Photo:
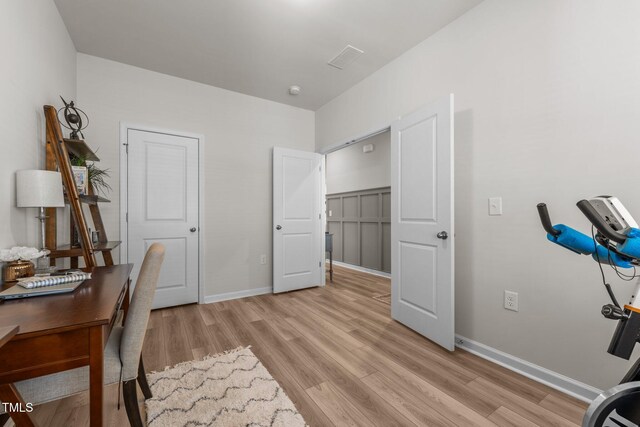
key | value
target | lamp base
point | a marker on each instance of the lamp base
(43, 265)
(42, 217)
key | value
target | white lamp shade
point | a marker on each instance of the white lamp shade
(39, 188)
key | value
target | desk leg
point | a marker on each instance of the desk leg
(96, 375)
(9, 393)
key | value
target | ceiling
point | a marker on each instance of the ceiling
(257, 47)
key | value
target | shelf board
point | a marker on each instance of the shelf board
(66, 251)
(89, 199)
(81, 149)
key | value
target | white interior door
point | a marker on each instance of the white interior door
(422, 234)
(162, 203)
(298, 242)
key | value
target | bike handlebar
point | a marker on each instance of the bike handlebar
(546, 221)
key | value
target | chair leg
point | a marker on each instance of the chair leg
(131, 403)
(4, 418)
(142, 380)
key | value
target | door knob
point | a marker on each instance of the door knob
(278, 227)
(442, 235)
(193, 229)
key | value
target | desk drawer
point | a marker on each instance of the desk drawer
(44, 354)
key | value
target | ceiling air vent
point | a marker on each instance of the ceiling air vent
(345, 57)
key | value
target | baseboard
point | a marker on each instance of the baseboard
(361, 269)
(208, 299)
(537, 373)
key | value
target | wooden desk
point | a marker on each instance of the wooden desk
(61, 332)
(6, 333)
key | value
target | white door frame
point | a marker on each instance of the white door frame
(124, 189)
(354, 140)
(323, 201)
(330, 149)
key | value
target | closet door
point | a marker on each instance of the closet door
(298, 238)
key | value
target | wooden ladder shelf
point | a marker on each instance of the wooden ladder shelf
(57, 159)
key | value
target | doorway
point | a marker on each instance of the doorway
(160, 201)
(358, 204)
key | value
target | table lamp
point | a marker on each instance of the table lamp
(39, 189)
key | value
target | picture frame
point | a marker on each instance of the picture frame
(81, 176)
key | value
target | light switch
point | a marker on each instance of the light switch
(495, 206)
(330, 212)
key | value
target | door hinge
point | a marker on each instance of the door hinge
(319, 216)
(126, 217)
(320, 264)
(126, 147)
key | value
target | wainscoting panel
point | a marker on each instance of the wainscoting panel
(386, 247)
(335, 228)
(360, 222)
(335, 207)
(369, 206)
(370, 245)
(350, 246)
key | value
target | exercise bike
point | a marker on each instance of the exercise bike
(614, 241)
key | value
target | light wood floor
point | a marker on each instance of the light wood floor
(342, 361)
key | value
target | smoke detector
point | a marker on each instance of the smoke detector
(345, 57)
(294, 90)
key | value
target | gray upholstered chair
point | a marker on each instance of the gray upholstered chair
(125, 343)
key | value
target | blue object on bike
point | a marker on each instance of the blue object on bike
(605, 256)
(572, 240)
(631, 246)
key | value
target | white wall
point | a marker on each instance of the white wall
(349, 169)
(239, 132)
(38, 65)
(547, 109)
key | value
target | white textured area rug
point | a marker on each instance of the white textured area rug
(230, 389)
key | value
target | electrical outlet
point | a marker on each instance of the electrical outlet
(263, 259)
(511, 300)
